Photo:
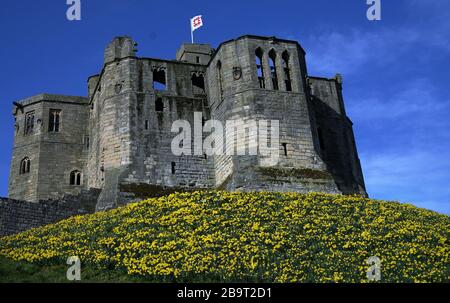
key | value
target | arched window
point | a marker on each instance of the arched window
(159, 79)
(25, 165)
(54, 120)
(159, 105)
(29, 123)
(287, 71)
(273, 69)
(259, 67)
(219, 79)
(75, 177)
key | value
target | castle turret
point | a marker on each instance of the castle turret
(111, 117)
(263, 78)
(119, 48)
(195, 53)
(50, 147)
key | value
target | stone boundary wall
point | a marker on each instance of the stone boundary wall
(17, 216)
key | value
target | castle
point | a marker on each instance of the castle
(118, 138)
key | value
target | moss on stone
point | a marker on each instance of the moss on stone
(143, 190)
(301, 173)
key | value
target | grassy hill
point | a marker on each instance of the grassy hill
(254, 237)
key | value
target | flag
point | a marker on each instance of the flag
(196, 22)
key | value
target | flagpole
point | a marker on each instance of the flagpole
(192, 31)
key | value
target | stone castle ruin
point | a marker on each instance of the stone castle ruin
(117, 140)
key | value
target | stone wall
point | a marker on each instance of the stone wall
(337, 140)
(17, 216)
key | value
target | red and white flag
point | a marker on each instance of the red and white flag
(196, 22)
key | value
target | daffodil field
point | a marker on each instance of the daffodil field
(249, 237)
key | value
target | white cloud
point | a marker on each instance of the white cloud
(418, 100)
(406, 156)
(350, 52)
(419, 177)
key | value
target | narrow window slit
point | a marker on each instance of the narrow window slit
(284, 148)
(273, 69)
(259, 67)
(159, 105)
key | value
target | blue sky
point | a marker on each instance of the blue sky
(396, 71)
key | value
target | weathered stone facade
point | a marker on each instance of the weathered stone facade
(120, 135)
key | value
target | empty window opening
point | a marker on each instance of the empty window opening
(219, 79)
(287, 71)
(25, 165)
(75, 177)
(198, 84)
(159, 105)
(159, 79)
(173, 168)
(259, 67)
(87, 142)
(29, 123)
(284, 148)
(321, 138)
(197, 59)
(146, 124)
(54, 120)
(273, 69)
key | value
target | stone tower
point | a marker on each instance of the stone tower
(50, 145)
(119, 139)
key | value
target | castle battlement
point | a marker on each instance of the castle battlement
(118, 138)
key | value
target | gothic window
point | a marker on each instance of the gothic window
(159, 105)
(54, 120)
(259, 67)
(159, 79)
(173, 168)
(75, 178)
(25, 165)
(29, 123)
(219, 79)
(197, 59)
(146, 124)
(198, 84)
(287, 71)
(273, 69)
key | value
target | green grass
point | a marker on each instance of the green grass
(24, 272)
